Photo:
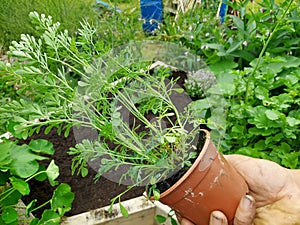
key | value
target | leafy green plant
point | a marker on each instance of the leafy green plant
(150, 148)
(98, 95)
(54, 64)
(241, 37)
(268, 125)
(262, 103)
(18, 165)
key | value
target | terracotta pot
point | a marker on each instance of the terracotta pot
(211, 183)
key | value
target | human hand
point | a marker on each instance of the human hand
(276, 191)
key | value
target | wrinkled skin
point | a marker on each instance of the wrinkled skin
(274, 196)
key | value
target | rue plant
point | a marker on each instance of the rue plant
(142, 133)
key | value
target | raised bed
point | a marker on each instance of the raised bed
(141, 211)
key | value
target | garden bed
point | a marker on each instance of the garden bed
(89, 194)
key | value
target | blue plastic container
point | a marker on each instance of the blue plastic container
(152, 14)
(222, 11)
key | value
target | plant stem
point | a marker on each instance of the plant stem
(40, 206)
(262, 52)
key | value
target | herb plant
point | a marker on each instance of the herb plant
(45, 72)
(65, 86)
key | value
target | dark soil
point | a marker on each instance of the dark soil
(88, 194)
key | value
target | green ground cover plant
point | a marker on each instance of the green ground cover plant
(18, 165)
(262, 98)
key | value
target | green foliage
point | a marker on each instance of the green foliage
(262, 109)
(171, 217)
(268, 119)
(54, 64)
(154, 151)
(255, 57)
(61, 80)
(240, 38)
(18, 165)
(15, 21)
(94, 95)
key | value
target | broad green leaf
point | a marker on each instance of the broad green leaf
(124, 211)
(215, 46)
(291, 80)
(41, 146)
(222, 66)
(257, 131)
(24, 162)
(52, 173)
(17, 129)
(62, 199)
(160, 218)
(292, 121)
(41, 176)
(244, 54)
(290, 160)
(238, 22)
(284, 147)
(30, 207)
(225, 84)
(5, 148)
(274, 139)
(9, 215)
(292, 61)
(261, 93)
(272, 114)
(20, 185)
(12, 199)
(35, 221)
(49, 217)
(234, 46)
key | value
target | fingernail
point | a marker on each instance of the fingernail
(247, 202)
(216, 220)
